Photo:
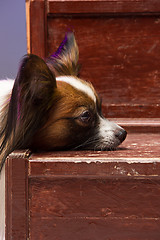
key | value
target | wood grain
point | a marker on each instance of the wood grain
(97, 195)
(86, 194)
(137, 149)
(95, 229)
(16, 181)
(104, 6)
(36, 27)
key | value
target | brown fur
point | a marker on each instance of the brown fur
(56, 133)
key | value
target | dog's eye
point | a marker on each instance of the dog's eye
(85, 117)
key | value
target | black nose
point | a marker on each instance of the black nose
(121, 135)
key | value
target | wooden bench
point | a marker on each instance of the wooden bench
(89, 195)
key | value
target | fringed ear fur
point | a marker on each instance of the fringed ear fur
(65, 60)
(31, 98)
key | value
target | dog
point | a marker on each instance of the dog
(48, 107)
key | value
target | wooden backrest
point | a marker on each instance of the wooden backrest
(119, 48)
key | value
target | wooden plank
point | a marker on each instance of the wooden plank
(95, 229)
(2, 204)
(17, 196)
(139, 125)
(104, 6)
(97, 195)
(139, 154)
(86, 194)
(139, 110)
(94, 196)
(28, 26)
(36, 27)
(82, 229)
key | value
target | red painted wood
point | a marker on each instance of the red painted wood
(95, 229)
(104, 6)
(139, 125)
(94, 197)
(119, 55)
(86, 194)
(16, 178)
(37, 27)
(136, 149)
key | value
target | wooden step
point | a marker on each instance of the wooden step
(139, 125)
(86, 194)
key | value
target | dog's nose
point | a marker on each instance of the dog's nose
(121, 135)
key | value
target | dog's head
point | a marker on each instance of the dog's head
(51, 108)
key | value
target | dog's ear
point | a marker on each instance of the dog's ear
(35, 82)
(65, 60)
(31, 98)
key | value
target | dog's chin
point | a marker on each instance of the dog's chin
(99, 145)
(104, 147)
(98, 148)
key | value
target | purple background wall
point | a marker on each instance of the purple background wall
(12, 36)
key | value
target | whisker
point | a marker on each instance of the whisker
(89, 141)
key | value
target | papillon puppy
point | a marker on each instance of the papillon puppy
(48, 107)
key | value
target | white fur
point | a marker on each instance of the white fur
(107, 130)
(7, 85)
(5, 88)
(106, 126)
(81, 86)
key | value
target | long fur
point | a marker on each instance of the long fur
(65, 60)
(30, 101)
